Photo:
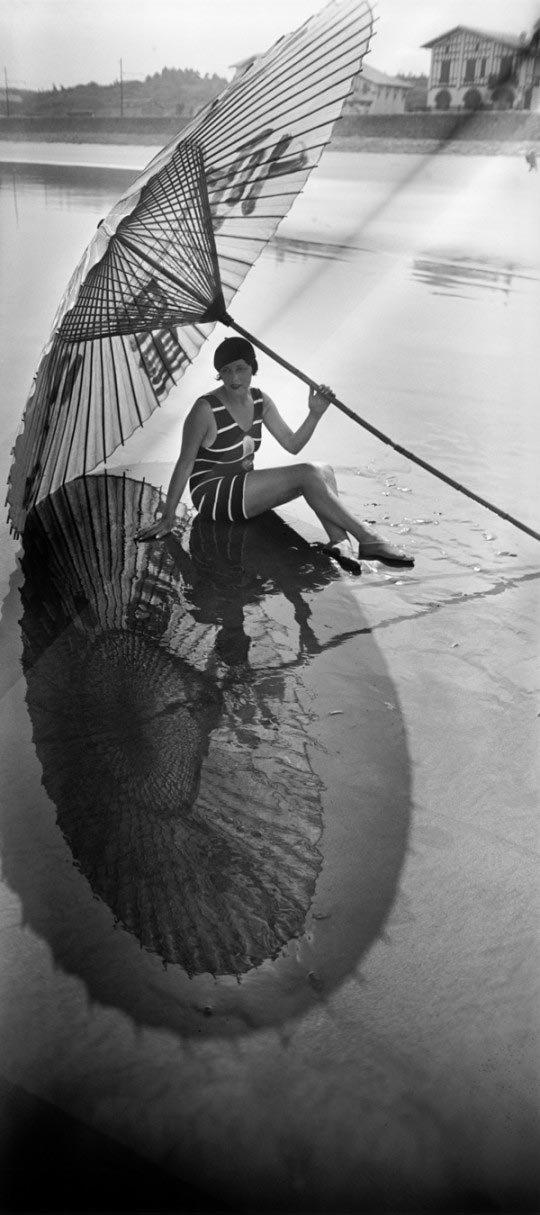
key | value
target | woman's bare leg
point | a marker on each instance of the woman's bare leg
(269, 487)
(266, 488)
(336, 535)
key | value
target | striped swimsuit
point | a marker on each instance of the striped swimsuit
(218, 478)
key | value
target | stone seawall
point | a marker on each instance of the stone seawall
(458, 131)
(514, 125)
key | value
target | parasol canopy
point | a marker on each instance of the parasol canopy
(164, 265)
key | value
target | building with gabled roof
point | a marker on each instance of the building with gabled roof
(375, 92)
(473, 68)
(515, 40)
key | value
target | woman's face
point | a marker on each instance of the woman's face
(236, 375)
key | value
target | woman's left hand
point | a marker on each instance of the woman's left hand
(319, 400)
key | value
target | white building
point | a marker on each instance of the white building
(376, 93)
(472, 68)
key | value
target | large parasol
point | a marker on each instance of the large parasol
(165, 264)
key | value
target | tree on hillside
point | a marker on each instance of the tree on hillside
(171, 92)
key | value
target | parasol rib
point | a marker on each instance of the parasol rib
(151, 261)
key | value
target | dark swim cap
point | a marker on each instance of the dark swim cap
(232, 349)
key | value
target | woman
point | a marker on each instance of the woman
(222, 433)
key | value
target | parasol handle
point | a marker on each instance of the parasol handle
(403, 451)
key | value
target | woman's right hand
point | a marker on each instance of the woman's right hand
(319, 400)
(158, 530)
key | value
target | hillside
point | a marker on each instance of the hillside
(167, 93)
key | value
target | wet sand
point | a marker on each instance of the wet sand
(411, 1082)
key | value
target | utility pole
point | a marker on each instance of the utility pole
(7, 93)
(121, 92)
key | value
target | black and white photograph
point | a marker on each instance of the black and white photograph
(270, 574)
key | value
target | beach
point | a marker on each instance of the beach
(389, 1054)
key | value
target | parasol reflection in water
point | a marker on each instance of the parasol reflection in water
(173, 695)
(205, 853)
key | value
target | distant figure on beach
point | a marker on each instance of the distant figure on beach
(222, 433)
(530, 157)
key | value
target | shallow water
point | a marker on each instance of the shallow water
(411, 286)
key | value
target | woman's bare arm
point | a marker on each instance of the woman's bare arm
(294, 440)
(197, 429)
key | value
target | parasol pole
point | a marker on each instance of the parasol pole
(403, 451)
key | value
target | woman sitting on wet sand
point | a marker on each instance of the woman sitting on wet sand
(222, 433)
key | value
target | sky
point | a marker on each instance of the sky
(65, 42)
